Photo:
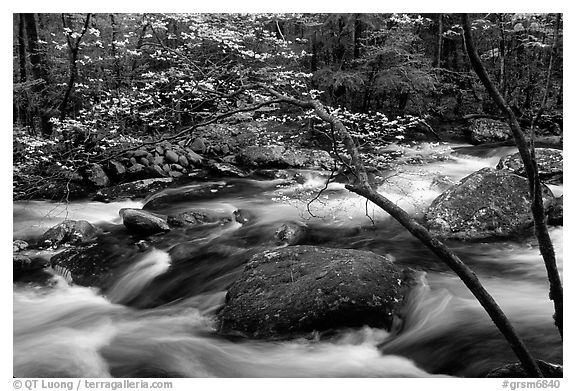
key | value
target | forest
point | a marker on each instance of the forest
(288, 195)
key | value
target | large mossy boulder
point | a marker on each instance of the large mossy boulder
(299, 289)
(486, 204)
(549, 160)
(485, 130)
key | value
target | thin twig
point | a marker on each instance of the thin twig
(322, 190)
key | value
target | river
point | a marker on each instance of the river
(156, 318)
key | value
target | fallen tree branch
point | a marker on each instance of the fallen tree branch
(482, 116)
(362, 187)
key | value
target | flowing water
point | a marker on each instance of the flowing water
(155, 315)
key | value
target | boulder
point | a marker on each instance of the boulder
(139, 153)
(226, 170)
(136, 170)
(116, 169)
(69, 231)
(94, 174)
(556, 215)
(485, 130)
(142, 222)
(199, 145)
(94, 264)
(516, 371)
(193, 158)
(137, 189)
(159, 160)
(486, 204)
(244, 216)
(300, 289)
(279, 157)
(199, 216)
(155, 171)
(183, 161)
(171, 157)
(290, 233)
(549, 160)
(263, 156)
(318, 158)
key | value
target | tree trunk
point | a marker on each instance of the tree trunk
(357, 35)
(139, 45)
(548, 83)
(36, 55)
(529, 160)
(117, 77)
(502, 54)
(438, 62)
(22, 48)
(39, 72)
(361, 186)
(73, 48)
(314, 58)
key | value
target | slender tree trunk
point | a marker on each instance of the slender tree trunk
(553, 56)
(39, 72)
(314, 58)
(357, 35)
(22, 48)
(529, 160)
(36, 55)
(502, 55)
(23, 108)
(73, 49)
(139, 45)
(438, 62)
(117, 75)
(361, 186)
